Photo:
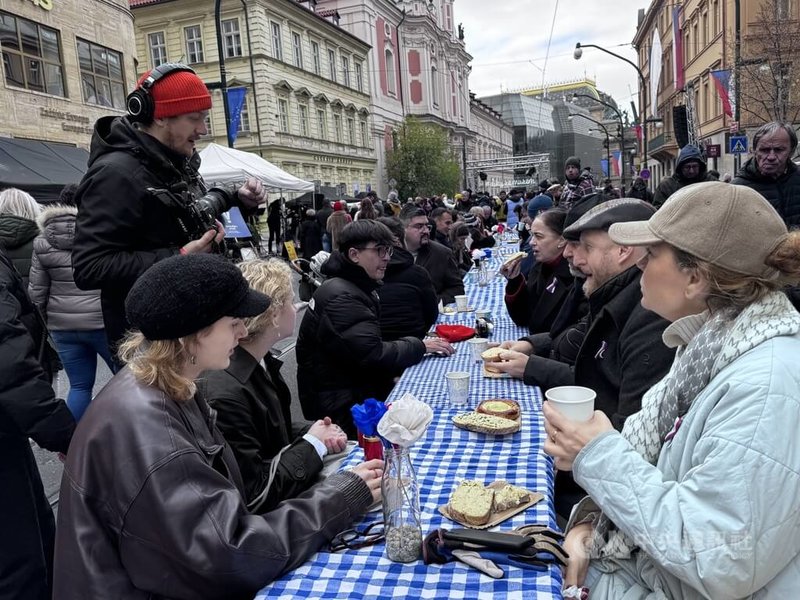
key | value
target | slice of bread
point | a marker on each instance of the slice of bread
(483, 423)
(515, 256)
(499, 407)
(471, 503)
(492, 355)
(508, 496)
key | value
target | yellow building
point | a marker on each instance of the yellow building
(307, 105)
(66, 63)
(707, 30)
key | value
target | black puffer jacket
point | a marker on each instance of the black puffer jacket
(534, 301)
(440, 263)
(16, 237)
(28, 409)
(341, 358)
(670, 185)
(122, 228)
(408, 301)
(783, 193)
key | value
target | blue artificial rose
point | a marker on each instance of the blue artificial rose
(367, 415)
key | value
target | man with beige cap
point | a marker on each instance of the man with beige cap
(696, 497)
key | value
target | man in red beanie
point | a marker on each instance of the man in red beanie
(137, 200)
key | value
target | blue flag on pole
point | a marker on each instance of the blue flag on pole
(235, 104)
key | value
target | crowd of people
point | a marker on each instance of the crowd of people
(186, 477)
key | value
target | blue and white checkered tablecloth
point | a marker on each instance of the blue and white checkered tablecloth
(446, 456)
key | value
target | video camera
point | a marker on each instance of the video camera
(196, 216)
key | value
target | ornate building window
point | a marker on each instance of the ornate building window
(194, 44)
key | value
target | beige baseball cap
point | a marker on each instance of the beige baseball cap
(730, 226)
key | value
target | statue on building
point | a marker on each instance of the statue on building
(461, 32)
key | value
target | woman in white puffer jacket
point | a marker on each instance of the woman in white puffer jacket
(697, 496)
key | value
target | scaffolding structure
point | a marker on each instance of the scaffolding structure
(517, 171)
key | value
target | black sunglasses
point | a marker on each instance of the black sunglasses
(353, 539)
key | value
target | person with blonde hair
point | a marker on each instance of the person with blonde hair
(697, 495)
(278, 459)
(18, 228)
(152, 502)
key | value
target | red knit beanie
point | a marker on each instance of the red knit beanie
(177, 94)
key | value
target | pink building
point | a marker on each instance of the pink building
(418, 65)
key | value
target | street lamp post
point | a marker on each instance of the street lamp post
(223, 78)
(579, 52)
(621, 130)
(608, 139)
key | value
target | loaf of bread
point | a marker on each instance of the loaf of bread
(471, 503)
(508, 496)
(483, 423)
(500, 407)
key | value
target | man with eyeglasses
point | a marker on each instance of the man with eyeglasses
(437, 259)
(341, 358)
(689, 168)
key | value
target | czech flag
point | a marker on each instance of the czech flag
(722, 81)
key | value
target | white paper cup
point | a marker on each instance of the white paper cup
(573, 401)
(478, 345)
(482, 314)
(457, 387)
(461, 303)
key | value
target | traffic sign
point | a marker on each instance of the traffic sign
(734, 126)
(644, 174)
(737, 144)
(713, 151)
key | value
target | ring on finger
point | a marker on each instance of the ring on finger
(553, 437)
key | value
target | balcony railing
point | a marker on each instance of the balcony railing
(662, 139)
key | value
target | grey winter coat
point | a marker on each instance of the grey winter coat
(52, 284)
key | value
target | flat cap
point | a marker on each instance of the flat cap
(602, 216)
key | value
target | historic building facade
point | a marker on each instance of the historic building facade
(307, 104)
(418, 66)
(66, 63)
(706, 30)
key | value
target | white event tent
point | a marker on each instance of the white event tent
(222, 165)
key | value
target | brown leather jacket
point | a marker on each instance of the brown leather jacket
(151, 506)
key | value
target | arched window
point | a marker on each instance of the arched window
(390, 73)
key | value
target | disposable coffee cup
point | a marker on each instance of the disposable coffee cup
(482, 314)
(461, 303)
(478, 345)
(457, 387)
(573, 401)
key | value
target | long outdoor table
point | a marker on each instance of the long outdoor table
(445, 457)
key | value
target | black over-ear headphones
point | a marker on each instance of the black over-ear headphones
(140, 104)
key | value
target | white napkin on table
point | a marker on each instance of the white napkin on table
(406, 421)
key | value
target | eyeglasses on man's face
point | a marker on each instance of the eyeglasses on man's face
(383, 251)
(353, 539)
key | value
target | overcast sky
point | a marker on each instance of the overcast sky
(508, 42)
